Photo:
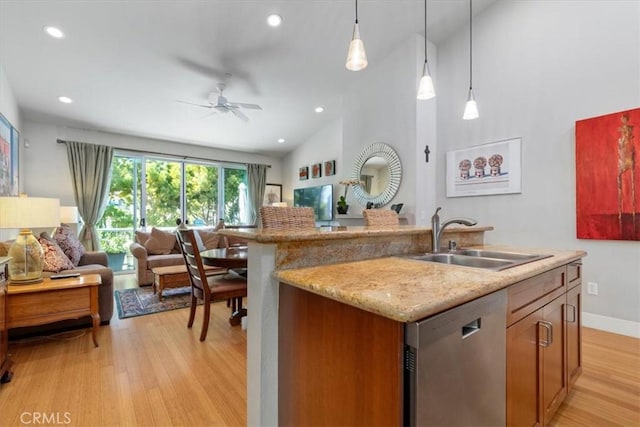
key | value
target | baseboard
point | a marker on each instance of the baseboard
(611, 324)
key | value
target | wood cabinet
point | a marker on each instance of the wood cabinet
(5, 362)
(543, 344)
(574, 323)
(338, 365)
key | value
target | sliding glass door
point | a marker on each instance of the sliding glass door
(150, 192)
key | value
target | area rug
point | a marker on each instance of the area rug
(140, 301)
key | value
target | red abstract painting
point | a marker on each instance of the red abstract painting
(608, 176)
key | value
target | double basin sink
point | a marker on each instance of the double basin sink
(480, 258)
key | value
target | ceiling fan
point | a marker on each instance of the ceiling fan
(220, 104)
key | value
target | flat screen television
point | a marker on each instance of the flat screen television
(319, 198)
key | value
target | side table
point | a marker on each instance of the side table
(54, 300)
(5, 361)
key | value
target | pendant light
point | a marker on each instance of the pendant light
(356, 57)
(426, 90)
(471, 109)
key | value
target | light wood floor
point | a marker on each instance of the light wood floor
(152, 370)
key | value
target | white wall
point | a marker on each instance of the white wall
(324, 145)
(9, 108)
(539, 67)
(46, 171)
(8, 104)
(381, 107)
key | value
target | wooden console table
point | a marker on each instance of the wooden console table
(54, 300)
(5, 361)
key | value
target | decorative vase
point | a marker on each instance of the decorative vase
(343, 209)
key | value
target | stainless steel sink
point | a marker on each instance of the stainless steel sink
(465, 260)
(479, 258)
(499, 254)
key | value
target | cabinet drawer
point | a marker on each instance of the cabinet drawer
(574, 274)
(529, 295)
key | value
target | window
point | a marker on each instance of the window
(150, 192)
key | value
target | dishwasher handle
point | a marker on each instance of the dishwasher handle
(471, 328)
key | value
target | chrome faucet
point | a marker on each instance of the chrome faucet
(437, 228)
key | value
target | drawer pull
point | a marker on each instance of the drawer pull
(572, 319)
(549, 327)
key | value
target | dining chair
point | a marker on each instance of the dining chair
(379, 217)
(209, 289)
(287, 217)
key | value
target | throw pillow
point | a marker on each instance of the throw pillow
(207, 238)
(54, 258)
(142, 236)
(160, 242)
(69, 243)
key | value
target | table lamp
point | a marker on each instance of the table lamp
(69, 215)
(26, 253)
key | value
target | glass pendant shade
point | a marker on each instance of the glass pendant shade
(26, 253)
(426, 89)
(356, 57)
(471, 109)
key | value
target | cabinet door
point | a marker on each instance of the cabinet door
(524, 372)
(552, 342)
(574, 335)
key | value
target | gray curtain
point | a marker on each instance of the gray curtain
(257, 177)
(90, 167)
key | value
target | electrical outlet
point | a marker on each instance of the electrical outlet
(592, 288)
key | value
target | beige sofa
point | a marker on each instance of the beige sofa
(159, 248)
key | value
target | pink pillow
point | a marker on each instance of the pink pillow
(69, 243)
(54, 259)
(160, 242)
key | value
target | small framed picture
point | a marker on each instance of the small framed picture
(304, 173)
(329, 168)
(316, 170)
(272, 194)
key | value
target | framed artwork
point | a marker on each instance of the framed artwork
(316, 170)
(329, 168)
(272, 194)
(608, 176)
(303, 174)
(493, 168)
(9, 143)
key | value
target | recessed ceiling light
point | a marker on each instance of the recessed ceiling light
(65, 99)
(319, 109)
(274, 20)
(280, 140)
(54, 32)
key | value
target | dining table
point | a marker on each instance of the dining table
(234, 259)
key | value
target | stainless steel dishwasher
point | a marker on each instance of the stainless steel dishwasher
(455, 366)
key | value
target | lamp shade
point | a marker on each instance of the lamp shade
(356, 56)
(29, 212)
(69, 214)
(25, 265)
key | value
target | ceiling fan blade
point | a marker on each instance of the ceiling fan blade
(212, 113)
(247, 106)
(197, 105)
(239, 114)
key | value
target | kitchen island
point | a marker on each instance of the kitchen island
(357, 267)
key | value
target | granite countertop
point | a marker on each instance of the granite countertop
(337, 232)
(407, 290)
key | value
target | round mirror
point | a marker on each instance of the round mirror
(379, 171)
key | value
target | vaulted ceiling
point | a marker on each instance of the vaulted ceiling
(126, 63)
